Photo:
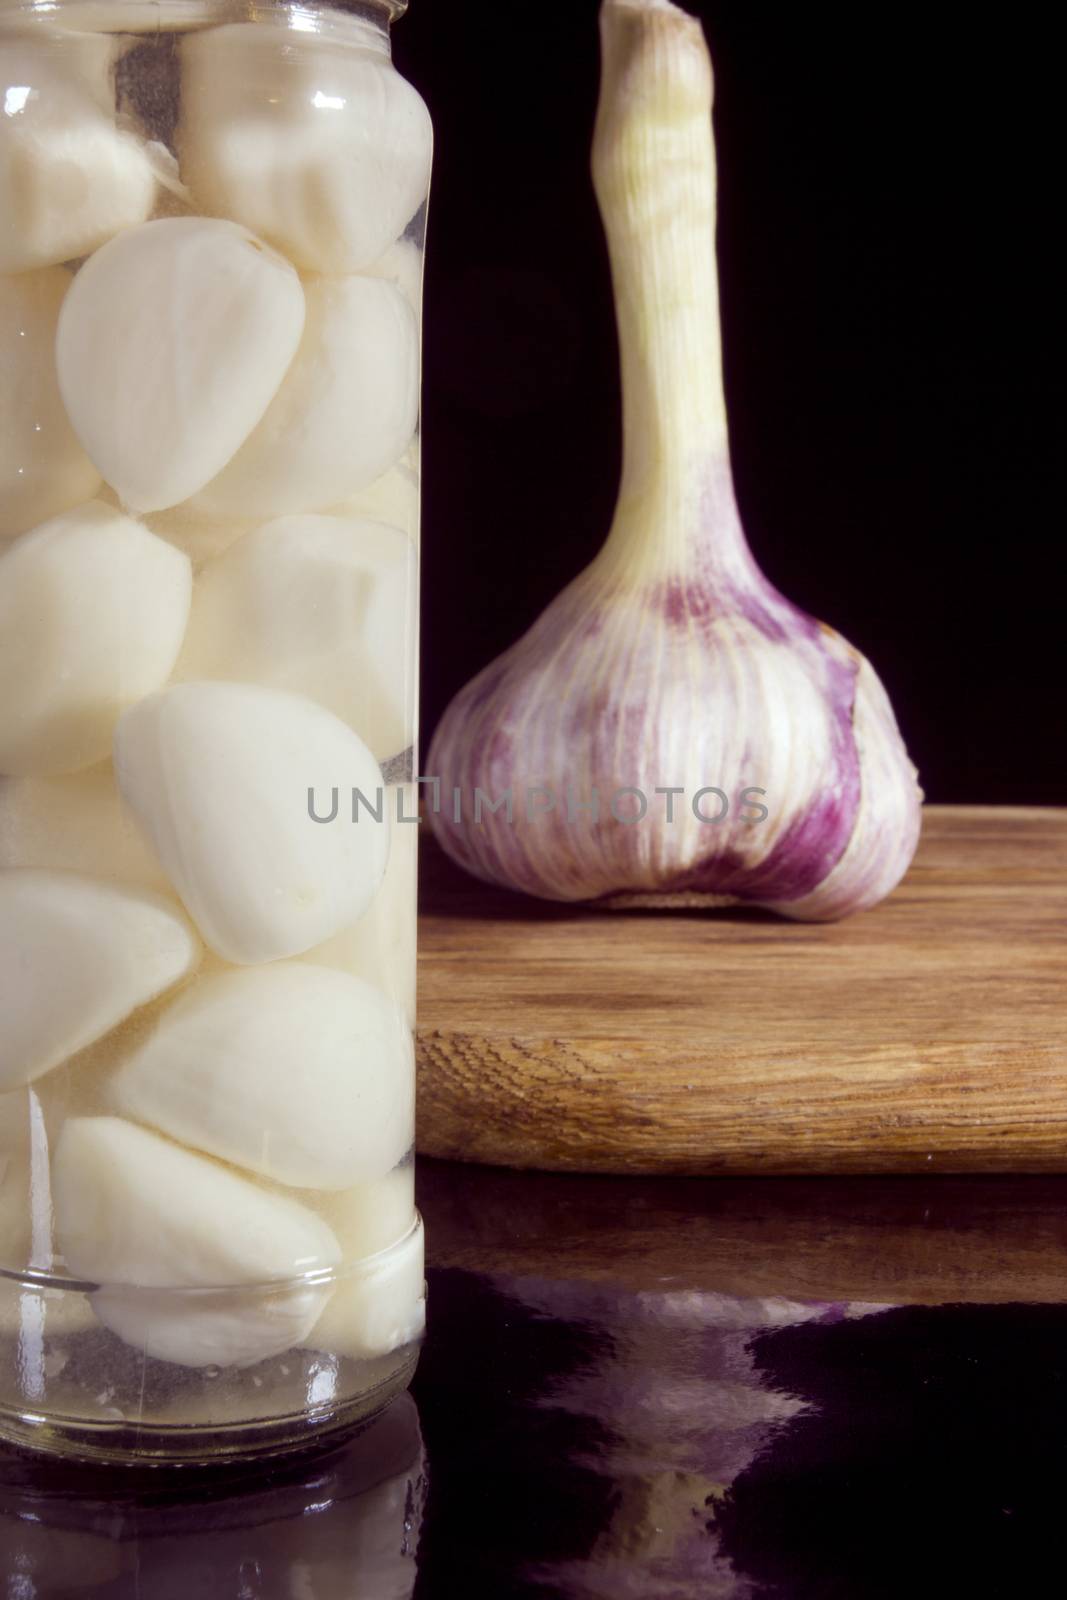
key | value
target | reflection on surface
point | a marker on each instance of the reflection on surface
(337, 1526)
(726, 1390)
(648, 1390)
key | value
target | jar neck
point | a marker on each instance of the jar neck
(364, 23)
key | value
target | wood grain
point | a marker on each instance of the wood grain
(927, 1035)
(887, 1240)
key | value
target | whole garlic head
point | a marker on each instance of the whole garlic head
(672, 663)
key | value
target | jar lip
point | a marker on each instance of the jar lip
(174, 12)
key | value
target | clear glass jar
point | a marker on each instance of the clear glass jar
(211, 237)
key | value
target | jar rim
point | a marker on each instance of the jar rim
(201, 10)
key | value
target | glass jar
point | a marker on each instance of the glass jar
(211, 238)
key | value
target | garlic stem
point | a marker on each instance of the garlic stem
(654, 174)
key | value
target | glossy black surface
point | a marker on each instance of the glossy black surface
(652, 1388)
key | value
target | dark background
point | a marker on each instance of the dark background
(885, 190)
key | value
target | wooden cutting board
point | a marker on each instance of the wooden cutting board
(927, 1035)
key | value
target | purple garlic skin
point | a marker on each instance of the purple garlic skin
(671, 662)
(711, 680)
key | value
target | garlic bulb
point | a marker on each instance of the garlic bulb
(69, 177)
(297, 1072)
(43, 468)
(671, 663)
(325, 153)
(172, 342)
(85, 953)
(311, 604)
(344, 414)
(93, 610)
(219, 775)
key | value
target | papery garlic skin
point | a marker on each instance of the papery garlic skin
(93, 610)
(672, 662)
(298, 1073)
(326, 154)
(43, 468)
(172, 342)
(310, 604)
(218, 775)
(86, 954)
(70, 178)
(345, 412)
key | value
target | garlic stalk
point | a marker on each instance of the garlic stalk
(671, 663)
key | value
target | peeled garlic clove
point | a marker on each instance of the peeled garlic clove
(369, 1217)
(84, 955)
(221, 1328)
(345, 413)
(671, 664)
(134, 1209)
(300, 1073)
(325, 153)
(69, 177)
(43, 468)
(75, 824)
(219, 776)
(377, 1306)
(172, 343)
(315, 604)
(93, 609)
(201, 537)
(403, 265)
(392, 498)
(381, 945)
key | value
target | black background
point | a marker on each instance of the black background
(885, 189)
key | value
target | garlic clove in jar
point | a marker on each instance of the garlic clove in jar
(43, 468)
(84, 954)
(299, 1073)
(227, 781)
(402, 264)
(370, 1216)
(201, 537)
(380, 946)
(93, 610)
(172, 342)
(324, 153)
(672, 663)
(344, 414)
(378, 1305)
(312, 604)
(70, 178)
(393, 498)
(75, 824)
(134, 1208)
(211, 1328)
